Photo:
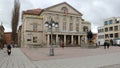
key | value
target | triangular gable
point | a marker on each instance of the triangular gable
(58, 7)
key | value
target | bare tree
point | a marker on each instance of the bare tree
(15, 19)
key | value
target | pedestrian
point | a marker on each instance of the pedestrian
(99, 43)
(63, 45)
(9, 49)
(108, 45)
(105, 44)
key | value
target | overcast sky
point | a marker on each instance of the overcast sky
(94, 11)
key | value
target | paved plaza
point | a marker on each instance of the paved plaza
(70, 57)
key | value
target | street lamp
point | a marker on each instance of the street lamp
(50, 25)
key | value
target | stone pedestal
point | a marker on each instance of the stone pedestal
(89, 45)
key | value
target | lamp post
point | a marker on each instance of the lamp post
(50, 25)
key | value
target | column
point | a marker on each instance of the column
(72, 40)
(78, 39)
(57, 39)
(64, 40)
(48, 40)
(85, 38)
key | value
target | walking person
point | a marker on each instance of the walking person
(108, 45)
(63, 45)
(105, 44)
(9, 49)
(99, 43)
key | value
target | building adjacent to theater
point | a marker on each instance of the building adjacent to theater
(8, 38)
(110, 30)
(71, 28)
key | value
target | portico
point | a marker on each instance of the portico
(67, 39)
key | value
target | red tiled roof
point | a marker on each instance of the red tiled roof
(33, 11)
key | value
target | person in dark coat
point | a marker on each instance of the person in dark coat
(8, 49)
(106, 44)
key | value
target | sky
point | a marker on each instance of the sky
(94, 11)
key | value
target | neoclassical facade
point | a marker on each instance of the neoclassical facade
(71, 28)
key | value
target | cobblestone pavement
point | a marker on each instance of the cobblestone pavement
(71, 57)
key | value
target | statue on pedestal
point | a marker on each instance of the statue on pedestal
(90, 38)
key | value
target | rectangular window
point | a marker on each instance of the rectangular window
(102, 30)
(34, 39)
(106, 23)
(71, 27)
(116, 35)
(98, 30)
(111, 35)
(110, 28)
(106, 29)
(116, 28)
(34, 27)
(117, 20)
(110, 21)
(28, 39)
(64, 26)
(101, 37)
(106, 36)
(77, 27)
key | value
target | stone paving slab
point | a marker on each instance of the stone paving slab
(41, 54)
(112, 66)
(74, 57)
(83, 62)
(16, 60)
(93, 58)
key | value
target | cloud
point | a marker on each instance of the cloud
(94, 11)
(5, 13)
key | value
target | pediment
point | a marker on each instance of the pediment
(63, 7)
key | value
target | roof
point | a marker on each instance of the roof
(33, 11)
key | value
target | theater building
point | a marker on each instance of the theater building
(71, 30)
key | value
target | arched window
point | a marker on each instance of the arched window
(65, 10)
(85, 28)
